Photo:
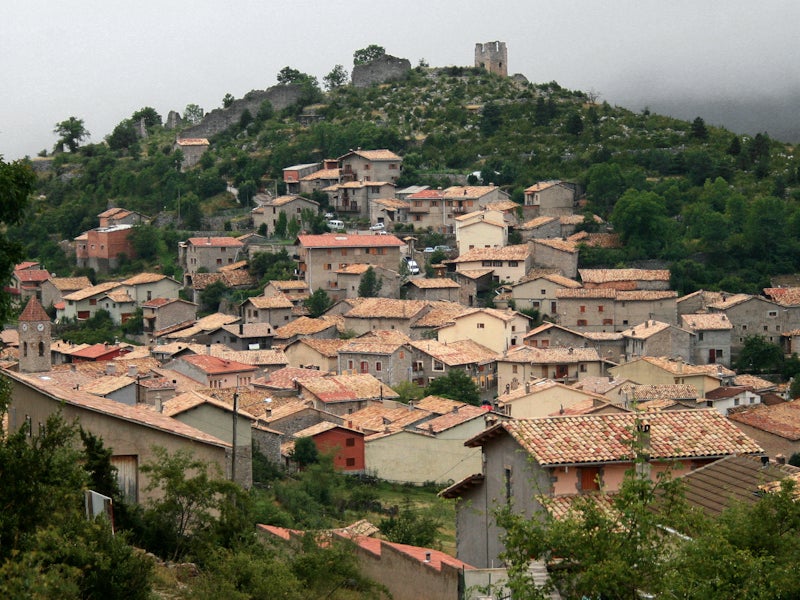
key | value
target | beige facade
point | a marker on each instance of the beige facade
(539, 292)
(438, 209)
(509, 263)
(313, 353)
(495, 329)
(566, 365)
(659, 371)
(488, 231)
(351, 199)
(543, 398)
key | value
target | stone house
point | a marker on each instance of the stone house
(274, 310)
(244, 336)
(320, 256)
(349, 278)
(654, 338)
(207, 253)
(200, 331)
(583, 454)
(119, 304)
(130, 431)
(480, 229)
(293, 174)
(606, 309)
(214, 372)
(539, 228)
(625, 279)
(120, 216)
(160, 314)
(697, 302)
(327, 176)
(313, 353)
(370, 165)
(546, 398)
(754, 315)
(566, 365)
(439, 288)
(352, 199)
(558, 254)
(385, 314)
(508, 263)
(192, 149)
(295, 291)
(306, 327)
(537, 291)
(55, 288)
(387, 361)
(345, 394)
(550, 198)
(441, 313)
(552, 335)
(27, 280)
(146, 286)
(438, 209)
(292, 206)
(389, 211)
(473, 282)
(431, 359)
(496, 329)
(84, 303)
(712, 338)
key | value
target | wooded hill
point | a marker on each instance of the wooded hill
(722, 210)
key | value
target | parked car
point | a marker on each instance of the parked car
(412, 265)
(443, 248)
(335, 225)
(383, 232)
(377, 227)
(428, 250)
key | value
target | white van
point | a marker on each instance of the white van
(335, 225)
(412, 265)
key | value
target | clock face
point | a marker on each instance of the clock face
(40, 327)
(24, 327)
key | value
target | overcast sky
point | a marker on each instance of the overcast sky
(101, 60)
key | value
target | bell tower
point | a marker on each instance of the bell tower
(34, 339)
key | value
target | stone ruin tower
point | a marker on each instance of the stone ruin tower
(493, 57)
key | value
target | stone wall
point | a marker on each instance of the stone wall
(493, 57)
(380, 70)
(219, 119)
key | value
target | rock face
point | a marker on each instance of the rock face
(380, 70)
(219, 119)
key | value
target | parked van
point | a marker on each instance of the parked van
(412, 265)
(335, 225)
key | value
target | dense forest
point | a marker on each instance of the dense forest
(721, 210)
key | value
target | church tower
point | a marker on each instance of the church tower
(34, 339)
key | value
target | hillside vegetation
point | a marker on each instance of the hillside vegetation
(721, 210)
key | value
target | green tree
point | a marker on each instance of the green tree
(317, 303)
(123, 136)
(336, 78)
(293, 228)
(150, 116)
(408, 391)
(491, 118)
(193, 114)
(699, 131)
(71, 133)
(305, 452)
(271, 266)
(759, 356)
(281, 224)
(17, 181)
(456, 385)
(368, 54)
(574, 124)
(227, 100)
(211, 296)
(370, 284)
(146, 241)
(410, 527)
(641, 220)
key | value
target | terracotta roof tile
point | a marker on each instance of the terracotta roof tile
(788, 296)
(678, 391)
(519, 252)
(463, 352)
(460, 192)
(434, 284)
(95, 290)
(381, 154)
(386, 308)
(780, 419)
(336, 240)
(32, 275)
(344, 388)
(730, 301)
(303, 326)
(379, 418)
(33, 311)
(212, 365)
(284, 379)
(706, 322)
(452, 419)
(537, 222)
(551, 441)
(143, 278)
(270, 302)
(69, 284)
(612, 275)
(528, 354)
(216, 242)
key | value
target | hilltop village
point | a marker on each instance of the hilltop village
(491, 363)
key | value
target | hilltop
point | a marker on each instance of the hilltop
(721, 209)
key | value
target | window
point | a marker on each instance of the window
(378, 366)
(513, 263)
(219, 261)
(508, 482)
(545, 343)
(344, 251)
(514, 369)
(600, 308)
(543, 292)
(480, 326)
(350, 462)
(736, 402)
(350, 442)
(327, 267)
(590, 479)
(364, 366)
(41, 348)
(700, 336)
(497, 263)
(434, 203)
(581, 322)
(350, 364)
(583, 309)
(438, 365)
(608, 321)
(93, 302)
(513, 328)
(772, 313)
(582, 367)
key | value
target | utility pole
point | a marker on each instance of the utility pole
(235, 423)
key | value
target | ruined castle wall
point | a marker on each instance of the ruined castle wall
(493, 57)
(380, 70)
(219, 119)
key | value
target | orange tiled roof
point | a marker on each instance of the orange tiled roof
(343, 388)
(68, 284)
(212, 365)
(645, 330)
(32, 275)
(460, 192)
(519, 252)
(386, 308)
(217, 242)
(730, 301)
(336, 240)
(677, 391)
(303, 326)
(434, 284)
(285, 378)
(381, 154)
(788, 296)
(611, 275)
(543, 185)
(528, 354)
(537, 222)
(706, 322)
(143, 278)
(269, 302)
(94, 290)
(551, 441)
(192, 142)
(33, 311)
(452, 419)
(463, 352)
(379, 418)
(782, 420)
(322, 174)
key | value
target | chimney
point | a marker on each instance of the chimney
(208, 348)
(241, 328)
(159, 406)
(268, 412)
(111, 368)
(764, 461)
(132, 371)
(427, 557)
(780, 459)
